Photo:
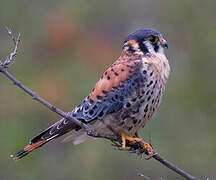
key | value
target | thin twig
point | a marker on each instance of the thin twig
(173, 167)
(114, 138)
(145, 177)
(9, 60)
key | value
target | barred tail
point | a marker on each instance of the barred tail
(58, 129)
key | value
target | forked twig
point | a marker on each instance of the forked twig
(9, 60)
(114, 138)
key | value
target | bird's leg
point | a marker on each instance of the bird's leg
(134, 140)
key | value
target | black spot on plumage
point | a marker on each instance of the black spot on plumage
(131, 49)
(142, 101)
(129, 128)
(125, 116)
(151, 73)
(128, 105)
(122, 122)
(99, 97)
(101, 114)
(153, 101)
(74, 115)
(121, 98)
(133, 100)
(105, 73)
(135, 112)
(91, 101)
(155, 84)
(148, 98)
(86, 107)
(146, 108)
(108, 77)
(136, 80)
(104, 92)
(134, 120)
(112, 69)
(122, 70)
(140, 97)
(113, 99)
(130, 71)
(148, 92)
(91, 112)
(144, 71)
(150, 83)
(116, 74)
(129, 66)
(95, 106)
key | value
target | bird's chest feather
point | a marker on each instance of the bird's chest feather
(146, 98)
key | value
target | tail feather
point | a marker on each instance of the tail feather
(58, 129)
(27, 149)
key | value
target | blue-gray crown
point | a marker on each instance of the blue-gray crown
(142, 34)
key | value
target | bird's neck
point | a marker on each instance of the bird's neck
(131, 48)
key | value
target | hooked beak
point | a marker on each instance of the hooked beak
(163, 43)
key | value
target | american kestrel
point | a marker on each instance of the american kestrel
(126, 96)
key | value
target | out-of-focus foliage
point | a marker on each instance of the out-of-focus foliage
(65, 47)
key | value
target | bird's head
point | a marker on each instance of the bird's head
(145, 41)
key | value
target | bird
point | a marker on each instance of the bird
(125, 97)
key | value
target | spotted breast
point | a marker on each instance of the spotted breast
(127, 95)
(146, 97)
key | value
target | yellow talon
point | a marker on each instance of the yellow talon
(133, 140)
(123, 141)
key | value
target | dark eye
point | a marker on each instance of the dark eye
(153, 39)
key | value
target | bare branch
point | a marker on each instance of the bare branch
(116, 139)
(173, 167)
(9, 60)
(145, 177)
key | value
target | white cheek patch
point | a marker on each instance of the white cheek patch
(161, 50)
(149, 46)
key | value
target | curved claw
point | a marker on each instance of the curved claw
(132, 140)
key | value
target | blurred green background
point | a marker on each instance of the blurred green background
(66, 45)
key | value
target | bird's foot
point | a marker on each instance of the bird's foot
(134, 140)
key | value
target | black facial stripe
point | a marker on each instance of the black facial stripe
(130, 48)
(142, 46)
(156, 47)
(142, 35)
